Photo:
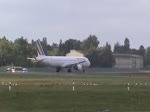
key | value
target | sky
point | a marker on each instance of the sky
(110, 20)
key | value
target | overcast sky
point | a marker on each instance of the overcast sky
(109, 20)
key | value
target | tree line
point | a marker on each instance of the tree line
(17, 52)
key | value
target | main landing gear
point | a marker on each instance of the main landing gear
(58, 69)
(69, 70)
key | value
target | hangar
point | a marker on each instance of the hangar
(128, 61)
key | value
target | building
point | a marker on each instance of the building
(75, 53)
(128, 61)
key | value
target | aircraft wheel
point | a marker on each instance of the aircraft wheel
(57, 69)
(69, 70)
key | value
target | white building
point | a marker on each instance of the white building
(75, 53)
(128, 61)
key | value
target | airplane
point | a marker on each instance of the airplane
(59, 62)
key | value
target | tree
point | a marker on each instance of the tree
(20, 49)
(61, 48)
(90, 44)
(54, 50)
(6, 52)
(94, 58)
(147, 57)
(108, 56)
(126, 45)
(125, 49)
(118, 48)
(142, 50)
(71, 44)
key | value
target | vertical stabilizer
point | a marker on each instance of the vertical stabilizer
(40, 50)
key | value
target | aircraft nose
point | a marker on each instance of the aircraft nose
(89, 63)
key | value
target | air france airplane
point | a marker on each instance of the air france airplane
(59, 62)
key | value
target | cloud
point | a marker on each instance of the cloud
(112, 20)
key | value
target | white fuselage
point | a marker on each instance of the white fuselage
(63, 61)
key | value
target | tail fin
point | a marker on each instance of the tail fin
(40, 50)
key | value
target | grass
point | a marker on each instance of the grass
(41, 92)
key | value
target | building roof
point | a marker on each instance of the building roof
(127, 55)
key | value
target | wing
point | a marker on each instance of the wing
(71, 64)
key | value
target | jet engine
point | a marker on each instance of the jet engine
(78, 67)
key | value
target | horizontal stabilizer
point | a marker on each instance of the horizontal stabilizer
(33, 59)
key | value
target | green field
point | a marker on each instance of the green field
(94, 92)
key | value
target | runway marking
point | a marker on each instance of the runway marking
(73, 88)
(9, 84)
(90, 84)
(136, 84)
(128, 88)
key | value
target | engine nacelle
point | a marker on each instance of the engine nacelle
(78, 67)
